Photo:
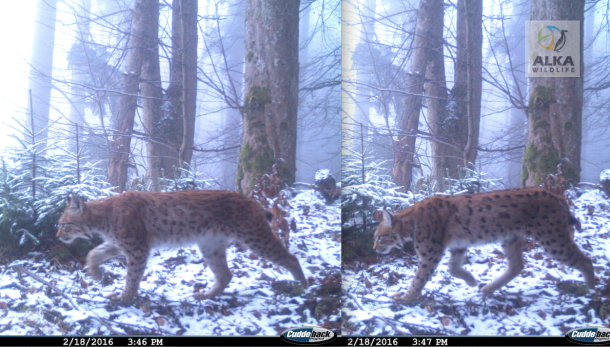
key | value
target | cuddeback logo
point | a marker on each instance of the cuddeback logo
(308, 335)
(552, 44)
(589, 335)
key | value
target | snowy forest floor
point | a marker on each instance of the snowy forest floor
(258, 300)
(534, 303)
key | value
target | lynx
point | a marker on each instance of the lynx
(460, 221)
(134, 222)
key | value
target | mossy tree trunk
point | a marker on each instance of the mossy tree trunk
(554, 110)
(408, 121)
(270, 105)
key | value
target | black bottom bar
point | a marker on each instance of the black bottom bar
(276, 341)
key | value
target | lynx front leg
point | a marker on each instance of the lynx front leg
(429, 257)
(456, 269)
(513, 251)
(215, 255)
(98, 256)
(136, 264)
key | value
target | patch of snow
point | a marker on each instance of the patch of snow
(322, 175)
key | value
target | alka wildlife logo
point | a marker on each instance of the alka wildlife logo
(547, 34)
(589, 335)
(308, 335)
(553, 48)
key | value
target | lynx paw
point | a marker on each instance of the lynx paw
(408, 297)
(470, 281)
(487, 290)
(116, 299)
(202, 296)
(95, 272)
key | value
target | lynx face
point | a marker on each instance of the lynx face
(389, 234)
(459, 221)
(71, 224)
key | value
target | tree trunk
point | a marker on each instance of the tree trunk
(555, 109)
(408, 122)
(41, 71)
(155, 124)
(120, 145)
(444, 155)
(271, 102)
(474, 29)
(184, 70)
(456, 127)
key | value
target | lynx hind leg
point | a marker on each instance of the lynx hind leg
(513, 252)
(271, 248)
(215, 255)
(98, 256)
(455, 266)
(429, 258)
(560, 246)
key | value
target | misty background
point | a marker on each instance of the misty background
(104, 26)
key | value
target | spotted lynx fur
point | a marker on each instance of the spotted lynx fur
(132, 223)
(457, 222)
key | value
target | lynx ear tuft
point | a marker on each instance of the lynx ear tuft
(75, 202)
(386, 217)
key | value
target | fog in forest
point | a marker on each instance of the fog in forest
(86, 40)
(379, 39)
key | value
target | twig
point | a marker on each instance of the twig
(21, 269)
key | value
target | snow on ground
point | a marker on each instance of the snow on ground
(531, 304)
(260, 299)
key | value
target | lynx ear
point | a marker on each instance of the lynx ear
(75, 202)
(386, 217)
